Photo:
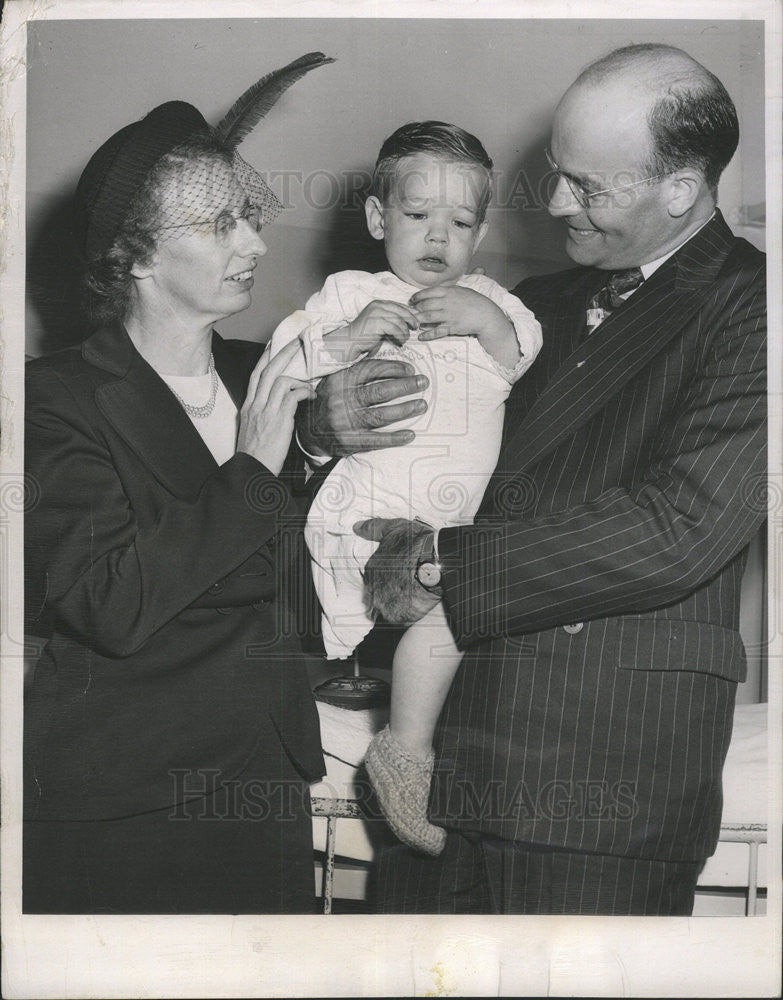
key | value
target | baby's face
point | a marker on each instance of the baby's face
(430, 223)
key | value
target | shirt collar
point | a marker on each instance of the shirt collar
(651, 267)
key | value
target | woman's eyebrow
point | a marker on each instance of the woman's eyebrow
(234, 207)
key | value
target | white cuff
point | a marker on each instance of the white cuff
(511, 375)
(312, 462)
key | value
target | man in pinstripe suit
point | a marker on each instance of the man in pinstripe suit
(597, 595)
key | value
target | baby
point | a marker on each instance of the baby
(431, 187)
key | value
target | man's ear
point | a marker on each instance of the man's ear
(373, 210)
(684, 189)
(482, 232)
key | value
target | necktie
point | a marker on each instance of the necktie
(609, 297)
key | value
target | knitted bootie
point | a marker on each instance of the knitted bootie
(402, 785)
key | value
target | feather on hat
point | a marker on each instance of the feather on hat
(117, 170)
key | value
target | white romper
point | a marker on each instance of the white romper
(440, 477)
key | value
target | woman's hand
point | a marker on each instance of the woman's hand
(378, 320)
(266, 420)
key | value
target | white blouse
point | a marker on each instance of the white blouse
(219, 429)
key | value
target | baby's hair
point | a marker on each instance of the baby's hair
(448, 142)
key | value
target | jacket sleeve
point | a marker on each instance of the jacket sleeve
(633, 550)
(105, 578)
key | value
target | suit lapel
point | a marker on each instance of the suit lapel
(622, 345)
(562, 322)
(144, 412)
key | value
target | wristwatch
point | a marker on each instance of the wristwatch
(428, 569)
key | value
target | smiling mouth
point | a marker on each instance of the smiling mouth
(242, 276)
(576, 231)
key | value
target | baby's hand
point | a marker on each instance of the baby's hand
(454, 311)
(377, 321)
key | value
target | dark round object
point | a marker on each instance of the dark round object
(354, 692)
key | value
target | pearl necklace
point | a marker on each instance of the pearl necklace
(205, 410)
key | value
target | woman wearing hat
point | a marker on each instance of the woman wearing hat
(170, 733)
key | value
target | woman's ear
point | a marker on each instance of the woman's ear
(685, 188)
(140, 271)
(144, 268)
(373, 210)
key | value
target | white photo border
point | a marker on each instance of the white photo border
(225, 956)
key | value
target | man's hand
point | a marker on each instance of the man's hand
(348, 408)
(390, 573)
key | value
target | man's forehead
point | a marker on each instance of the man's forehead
(601, 127)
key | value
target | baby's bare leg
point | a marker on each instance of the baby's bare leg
(425, 663)
(400, 758)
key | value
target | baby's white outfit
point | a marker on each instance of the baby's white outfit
(440, 477)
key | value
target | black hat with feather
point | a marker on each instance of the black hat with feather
(116, 172)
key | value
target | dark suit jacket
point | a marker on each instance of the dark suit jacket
(597, 594)
(159, 575)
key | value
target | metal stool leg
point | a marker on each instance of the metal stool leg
(332, 809)
(328, 872)
(753, 874)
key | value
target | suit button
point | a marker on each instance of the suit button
(216, 588)
(224, 611)
(260, 605)
(573, 629)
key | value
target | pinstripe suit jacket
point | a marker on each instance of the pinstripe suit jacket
(597, 594)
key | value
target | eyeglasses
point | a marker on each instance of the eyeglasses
(587, 199)
(224, 224)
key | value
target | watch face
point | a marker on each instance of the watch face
(428, 574)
